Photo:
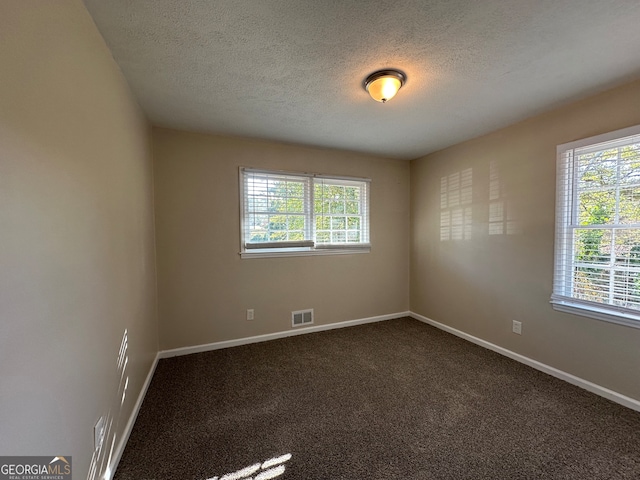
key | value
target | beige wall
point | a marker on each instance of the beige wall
(205, 287)
(480, 284)
(76, 233)
(77, 255)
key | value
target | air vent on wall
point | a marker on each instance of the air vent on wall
(302, 317)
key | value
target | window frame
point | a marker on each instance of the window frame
(308, 246)
(567, 222)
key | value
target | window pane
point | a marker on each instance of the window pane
(257, 187)
(352, 193)
(627, 250)
(353, 237)
(336, 192)
(352, 207)
(630, 165)
(626, 289)
(629, 206)
(277, 222)
(295, 189)
(593, 246)
(597, 207)
(259, 204)
(353, 223)
(338, 237)
(296, 222)
(597, 170)
(626, 281)
(276, 236)
(591, 284)
(277, 204)
(338, 223)
(337, 207)
(295, 205)
(258, 228)
(323, 222)
(294, 236)
(321, 205)
(319, 190)
(323, 237)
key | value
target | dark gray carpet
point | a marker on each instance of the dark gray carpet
(391, 400)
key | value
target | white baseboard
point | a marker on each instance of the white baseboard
(554, 372)
(117, 454)
(273, 336)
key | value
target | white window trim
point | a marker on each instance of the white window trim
(594, 310)
(278, 252)
(565, 193)
(303, 247)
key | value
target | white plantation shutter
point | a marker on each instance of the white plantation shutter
(298, 212)
(597, 245)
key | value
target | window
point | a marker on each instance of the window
(597, 248)
(302, 214)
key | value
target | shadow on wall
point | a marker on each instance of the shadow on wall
(456, 213)
(456, 206)
(502, 215)
(101, 462)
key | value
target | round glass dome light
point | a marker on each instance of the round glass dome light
(384, 84)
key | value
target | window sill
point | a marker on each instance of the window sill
(301, 252)
(597, 312)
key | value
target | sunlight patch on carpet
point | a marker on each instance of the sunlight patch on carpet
(272, 468)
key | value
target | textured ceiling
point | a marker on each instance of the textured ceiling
(292, 70)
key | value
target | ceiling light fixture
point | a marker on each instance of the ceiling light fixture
(384, 84)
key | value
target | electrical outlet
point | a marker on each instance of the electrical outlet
(250, 314)
(98, 433)
(517, 327)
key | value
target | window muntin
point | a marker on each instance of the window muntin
(292, 213)
(597, 271)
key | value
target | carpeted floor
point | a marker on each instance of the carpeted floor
(391, 400)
